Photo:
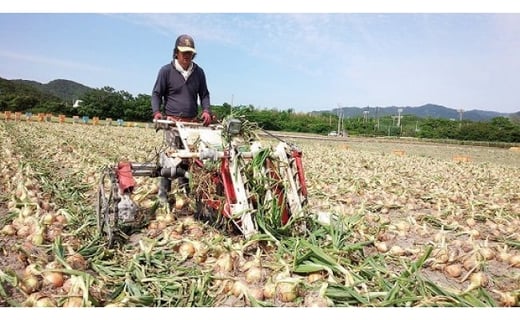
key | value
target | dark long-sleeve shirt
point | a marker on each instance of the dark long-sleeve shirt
(179, 96)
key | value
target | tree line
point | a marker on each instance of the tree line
(106, 102)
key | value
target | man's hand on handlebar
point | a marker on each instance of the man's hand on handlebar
(206, 118)
(157, 115)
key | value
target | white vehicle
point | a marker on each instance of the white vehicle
(333, 134)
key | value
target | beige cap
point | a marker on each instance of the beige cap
(185, 43)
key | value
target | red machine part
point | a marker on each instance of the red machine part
(229, 190)
(299, 166)
(125, 177)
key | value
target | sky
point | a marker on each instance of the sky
(305, 58)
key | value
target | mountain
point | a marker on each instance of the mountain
(424, 111)
(13, 89)
(69, 91)
(64, 89)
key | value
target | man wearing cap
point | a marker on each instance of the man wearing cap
(178, 86)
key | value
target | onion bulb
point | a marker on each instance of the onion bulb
(47, 219)
(187, 250)
(179, 203)
(286, 291)
(315, 276)
(396, 251)
(453, 270)
(73, 302)
(315, 301)
(471, 222)
(9, 230)
(503, 255)
(30, 283)
(507, 299)
(224, 263)
(487, 253)
(32, 269)
(381, 246)
(254, 274)
(77, 261)
(239, 288)
(45, 302)
(477, 280)
(514, 261)
(256, 292)
(269, 290)
(53, 278)
(470, 263)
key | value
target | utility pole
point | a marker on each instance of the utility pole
(377, 117)
(461, 111)
(365, 116)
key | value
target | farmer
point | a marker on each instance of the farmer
(178, 86)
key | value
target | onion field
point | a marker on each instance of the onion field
(388, 223)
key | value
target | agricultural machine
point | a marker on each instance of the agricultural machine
(232, 177)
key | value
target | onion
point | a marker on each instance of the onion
(37, 237)
(32, 269)
(315, 276)
(45, 302)
(187, 250)
(269, 290)
(77, 261)
(179, 228)
(23, 231)
(504, 256)
(477, 280)
(256, 293)
(507, 299)
(67, 285)
(514, 261)
(487, 253)
(47, 219)
(224, 263)
(453, 270)
(402, 226)
(239, 288)
(396, 251)
(224, 285)
(60, 219)
(27, 211)
(161, 225)
(53, 278)
(471, 222)
(286, 291)
(168, 218)
(255, 274)
(248, 264)
(30, 283)
(8, 230)
(315, 302)
(73, 302)
(470, 263)
(32, 299)
(381, 246)
(195, 231)
(179, 203)
(201, 254)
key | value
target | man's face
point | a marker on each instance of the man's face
(184, 58)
